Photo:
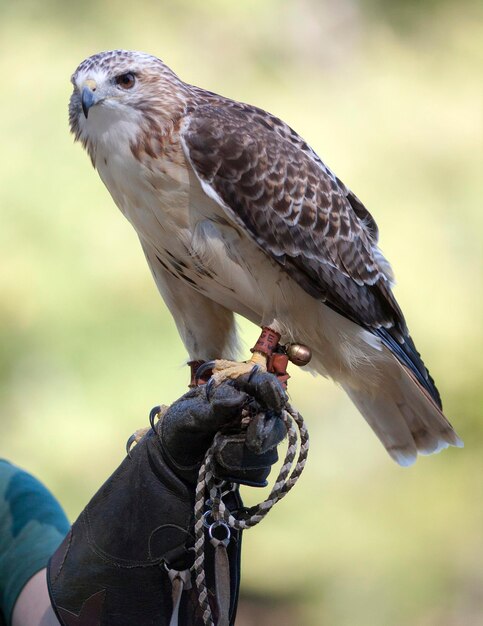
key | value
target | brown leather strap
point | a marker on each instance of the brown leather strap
(277, 364)
(267, 342)
(180, 580)
(222, 583)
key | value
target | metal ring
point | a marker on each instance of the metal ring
(216, 524)
(206, 524)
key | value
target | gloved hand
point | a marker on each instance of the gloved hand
(246, 450)
(114, 567)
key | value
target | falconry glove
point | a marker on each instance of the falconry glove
(127, 558)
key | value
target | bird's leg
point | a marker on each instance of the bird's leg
(267, 355)
(262, 359)
(223, 369)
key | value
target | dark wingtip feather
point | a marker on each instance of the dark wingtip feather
(407, 353)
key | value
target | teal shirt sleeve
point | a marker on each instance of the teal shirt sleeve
(32, 526)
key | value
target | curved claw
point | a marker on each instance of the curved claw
(208, 365)
(129, 443)
(152, 416)
(209, 388)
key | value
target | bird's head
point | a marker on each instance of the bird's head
(122, 90)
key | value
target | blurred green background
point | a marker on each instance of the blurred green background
(390, 94)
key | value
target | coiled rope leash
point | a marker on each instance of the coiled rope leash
(222, 518)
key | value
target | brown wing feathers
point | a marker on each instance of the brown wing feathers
(294, 209)
(301, 215)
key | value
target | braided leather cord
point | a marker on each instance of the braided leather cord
(286, 479)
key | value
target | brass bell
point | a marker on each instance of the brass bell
(299, 354)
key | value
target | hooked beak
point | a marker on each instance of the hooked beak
(88, 96)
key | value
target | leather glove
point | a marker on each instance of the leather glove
(245, 451)
(114, 566)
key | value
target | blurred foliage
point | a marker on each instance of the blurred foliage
(87, 347)
(410, 15)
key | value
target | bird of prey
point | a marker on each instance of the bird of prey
(237, 214)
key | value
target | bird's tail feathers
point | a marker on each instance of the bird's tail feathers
(403, 415)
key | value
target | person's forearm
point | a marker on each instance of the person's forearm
(33, 606)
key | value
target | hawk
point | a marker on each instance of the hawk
(237, 214)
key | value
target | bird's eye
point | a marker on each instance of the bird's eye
(126, 81)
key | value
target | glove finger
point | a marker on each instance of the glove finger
(227, 403)
(195, 413)
(265, 388)
(264, 432)
(236, 463)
